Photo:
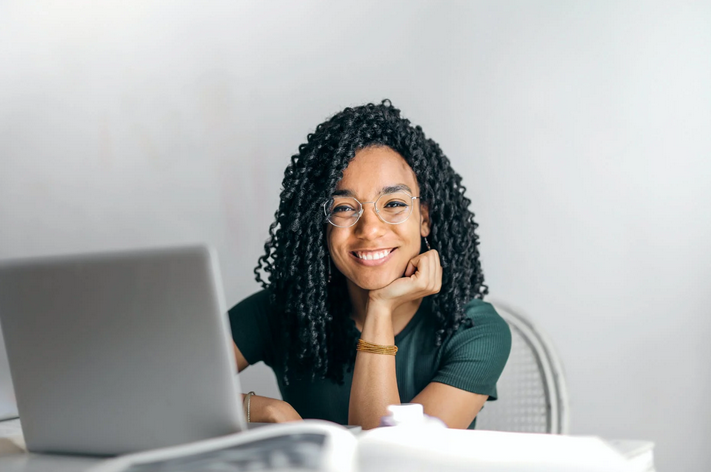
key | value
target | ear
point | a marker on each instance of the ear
(424, 220)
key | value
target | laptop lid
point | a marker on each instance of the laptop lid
(120, 352)
(8, 407)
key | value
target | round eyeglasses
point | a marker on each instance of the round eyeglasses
(392, 208)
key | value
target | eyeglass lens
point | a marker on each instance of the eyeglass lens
(392, 208)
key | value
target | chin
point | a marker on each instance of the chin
(371, 287)
(375, 283)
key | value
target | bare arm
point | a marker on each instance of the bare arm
(265, 409)
(374, 382)
(456, 407)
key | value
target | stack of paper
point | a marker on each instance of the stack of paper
(639, 454)
(409, 449)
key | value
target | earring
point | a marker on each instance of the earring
(329, 269)
(427, 243)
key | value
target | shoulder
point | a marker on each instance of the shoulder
(257, 309)
(484, 314)
(258, 301)
(474, 356)
(488, 333)
(254, 325)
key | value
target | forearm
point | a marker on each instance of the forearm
(270, 410)
(374, 384)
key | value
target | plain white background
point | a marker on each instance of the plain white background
(582, 131)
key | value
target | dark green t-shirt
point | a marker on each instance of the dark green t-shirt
(472, 359)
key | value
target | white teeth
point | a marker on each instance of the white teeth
(370, 256)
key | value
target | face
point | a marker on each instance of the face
(372, 253)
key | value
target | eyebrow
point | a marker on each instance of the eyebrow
(383, 191)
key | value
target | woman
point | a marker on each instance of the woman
(374, 287)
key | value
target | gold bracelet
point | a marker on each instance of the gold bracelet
(247, 404)
(365, 346)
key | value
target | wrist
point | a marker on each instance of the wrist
(280, 411)
(378, 326)
(246, 405)
(379, 308)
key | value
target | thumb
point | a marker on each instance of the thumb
(412, 266)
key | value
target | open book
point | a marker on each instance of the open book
(309, 445)
(321, 446)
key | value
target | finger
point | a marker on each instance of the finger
(438, 279)
(424, 272)
(412, 265)
(438, 268)
(433, 255)
(411, 268)
(434, 272)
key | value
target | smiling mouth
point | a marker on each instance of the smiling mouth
(374, 256)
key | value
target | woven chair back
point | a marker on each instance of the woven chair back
(532, 395)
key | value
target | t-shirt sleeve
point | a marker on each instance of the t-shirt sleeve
(474, 357)
(251, 324)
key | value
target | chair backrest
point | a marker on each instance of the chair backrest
(532, 394)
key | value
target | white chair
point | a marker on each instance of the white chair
(532, 394)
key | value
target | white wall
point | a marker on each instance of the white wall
(582, 130)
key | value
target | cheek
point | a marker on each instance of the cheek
(336, 243)
(411, 238)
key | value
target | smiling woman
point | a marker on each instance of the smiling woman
(374, 289)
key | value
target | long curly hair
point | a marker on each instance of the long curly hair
(318, 334)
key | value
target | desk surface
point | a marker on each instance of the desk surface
(15, 458)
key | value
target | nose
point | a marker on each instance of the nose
(369, 225)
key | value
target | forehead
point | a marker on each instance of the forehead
(375, 168)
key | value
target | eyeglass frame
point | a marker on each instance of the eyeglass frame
(375, 208)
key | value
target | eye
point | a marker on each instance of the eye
(342, 209)
(395, 204)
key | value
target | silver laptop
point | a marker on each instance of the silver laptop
(8, 407)
(120, 352)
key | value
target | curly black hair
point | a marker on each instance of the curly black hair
(318, 334)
